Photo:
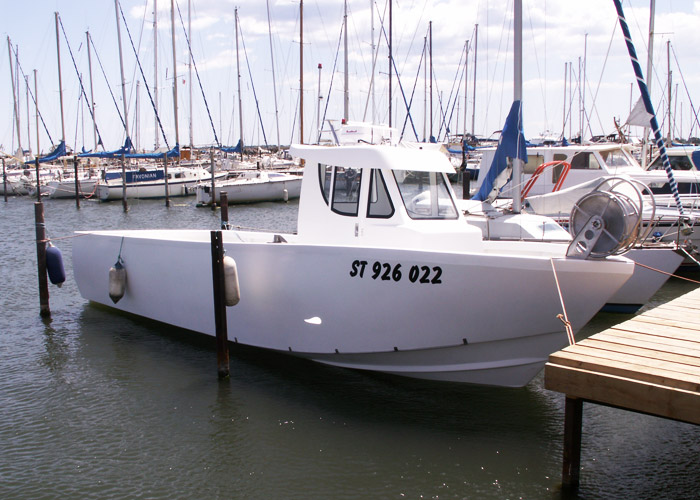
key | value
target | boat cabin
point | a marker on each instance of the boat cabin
(380, 195)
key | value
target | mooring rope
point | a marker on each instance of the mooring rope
(563, 317)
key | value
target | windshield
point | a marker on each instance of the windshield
(616, 158)
(425, 195)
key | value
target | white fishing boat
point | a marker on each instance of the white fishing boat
(149, 182)
(64, 186)
(387, 277)
(252, 186)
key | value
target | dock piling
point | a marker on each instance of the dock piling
(44, 309)
(217, 270)
(213, 181)
(165, 174)
(77, 183)
(223, 201)
(125, 205)
(573, 419)
(4, 180)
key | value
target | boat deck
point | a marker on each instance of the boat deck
(648, 364)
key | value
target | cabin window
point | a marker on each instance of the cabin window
(559, 168)
(425, 195)
(324, 175)
(615, 158)
(346, 191)
(677, 163)
(380, 205)
(533, 161)
(584, 161)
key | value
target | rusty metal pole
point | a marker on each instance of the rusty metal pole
(44, 309)
(217, 271)
(77, 182)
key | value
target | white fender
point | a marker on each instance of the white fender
(231, 287)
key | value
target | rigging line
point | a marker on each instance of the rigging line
(32, 95)
(675, 58)
(398, 79)
(543, 88)
(145, 81)
(449, 106)
(206, 104)
(330, 85)
(371, 81)
(80, 80)
(595, 96)
(108, 85)
(250, 74)
(415, 84)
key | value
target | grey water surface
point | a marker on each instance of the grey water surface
(97, 404)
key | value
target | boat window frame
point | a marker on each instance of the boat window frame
(377, 173)
(323, 171)
(433, 190)
(336, 204)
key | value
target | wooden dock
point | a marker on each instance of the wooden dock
(648, 364)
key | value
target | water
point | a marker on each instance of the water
(95, 404)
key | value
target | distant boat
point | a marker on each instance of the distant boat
(149, 182)
(252, 186)
(386, 276)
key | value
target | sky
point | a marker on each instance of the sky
(563, 42)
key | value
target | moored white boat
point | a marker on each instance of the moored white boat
(252, 186)
(386, 277)
(150, 182)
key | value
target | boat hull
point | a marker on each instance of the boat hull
(251, 191)
(480, 318)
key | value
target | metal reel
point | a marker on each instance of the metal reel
(603, 223)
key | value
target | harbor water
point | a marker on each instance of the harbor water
(98, 404)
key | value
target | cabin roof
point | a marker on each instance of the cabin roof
(370, 156)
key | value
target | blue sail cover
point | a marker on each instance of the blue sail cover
(236, 149)
(59, 151)
(456, 151)
(173, 153)
(511, 144)
(125, 149)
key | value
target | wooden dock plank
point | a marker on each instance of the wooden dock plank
(649, 364)
(621, 392)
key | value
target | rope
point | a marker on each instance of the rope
(563, 317)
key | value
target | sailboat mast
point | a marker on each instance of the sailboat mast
(172, 26)
(650, 60)
(391, 17)
(36, 106)
(476, 45)
(466, 74)
(274, 83)
(430, 74)
(155, 70)
(517, 91)
(92, 92)
(374, 61)
(60, 82)
(346, 90)
(240, 101)
(301, 71)
(121, 67)
(189, 36)
(29, 137)
(14, 93)
(670, 88)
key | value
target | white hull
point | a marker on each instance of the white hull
(87, 188)
(109, 191)
(463, 329)
(282, 188)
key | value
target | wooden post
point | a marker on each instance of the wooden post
(38, 184)
(44, 309)
(213, 182)
(124, 203)
(465, 172)
(573, 419)
(217, 270)
(223, 201)
(77, 182)
(4, 180)
(165, 174)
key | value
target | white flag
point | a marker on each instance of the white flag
(639, 115)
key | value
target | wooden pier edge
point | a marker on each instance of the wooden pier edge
(649, 364)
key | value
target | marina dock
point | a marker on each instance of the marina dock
(648, 364)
